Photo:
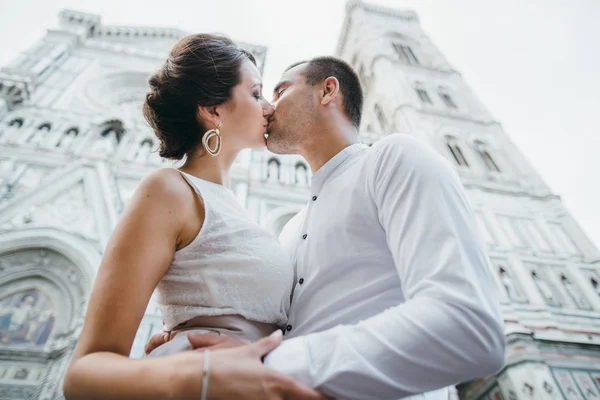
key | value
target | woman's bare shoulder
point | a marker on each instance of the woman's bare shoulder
(164, 188)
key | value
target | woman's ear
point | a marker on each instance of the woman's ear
(209, 116)
(331, 88)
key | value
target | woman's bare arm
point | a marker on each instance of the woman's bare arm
(137, 256)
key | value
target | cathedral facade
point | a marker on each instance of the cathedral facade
(73, 146)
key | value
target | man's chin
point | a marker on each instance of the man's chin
(272, 144)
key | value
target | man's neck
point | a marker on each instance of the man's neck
(327, 144)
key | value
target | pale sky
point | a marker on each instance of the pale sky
(535, 64)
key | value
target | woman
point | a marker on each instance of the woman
(185, 235)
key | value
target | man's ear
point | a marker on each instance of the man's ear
(331, 88)
(209, 116)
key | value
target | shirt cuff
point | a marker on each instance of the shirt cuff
(292, 358)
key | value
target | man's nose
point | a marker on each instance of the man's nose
(268, 110)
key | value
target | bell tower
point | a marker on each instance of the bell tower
(546, 269)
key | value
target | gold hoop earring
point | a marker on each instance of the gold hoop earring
(216, 133)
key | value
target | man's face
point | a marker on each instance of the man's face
(295, 112)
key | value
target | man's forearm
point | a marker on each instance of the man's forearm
(413, 348)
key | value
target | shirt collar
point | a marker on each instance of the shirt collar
(319, 177)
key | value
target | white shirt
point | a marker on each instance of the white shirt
(393, 294)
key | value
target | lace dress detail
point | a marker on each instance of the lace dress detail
(232, 267)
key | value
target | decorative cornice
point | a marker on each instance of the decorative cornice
(139, 32)
(84, 24)
(93, 22)
(96, 35)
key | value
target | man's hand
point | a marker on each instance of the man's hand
(238, 373)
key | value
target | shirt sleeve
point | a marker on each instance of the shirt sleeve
(449, 329)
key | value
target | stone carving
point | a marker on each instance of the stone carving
(17, 392)
(528, 389)
(69, 211)
(17, 178)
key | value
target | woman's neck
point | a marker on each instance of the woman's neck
(214, 169)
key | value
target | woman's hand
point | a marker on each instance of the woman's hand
(197, 341)
(201, 341)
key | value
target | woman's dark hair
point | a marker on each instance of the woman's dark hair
(202, 69)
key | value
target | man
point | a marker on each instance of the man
(393, 289)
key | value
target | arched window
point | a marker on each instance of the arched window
(16, 123)
(46, 126)
(489, 161)
(423, 95)
(273, 170)
(115, 133)
(111, 134)
(486, 157)
(447, 99)
(68, 137)
(456, 152)
(39, 134)
(301, 174)
(406, 53)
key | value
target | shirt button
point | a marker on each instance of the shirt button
(304, 236)
(314, 198)
(288, 328)
(301, 281)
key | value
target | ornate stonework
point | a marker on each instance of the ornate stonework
(73, 147)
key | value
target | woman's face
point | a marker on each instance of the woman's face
(244, 117)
